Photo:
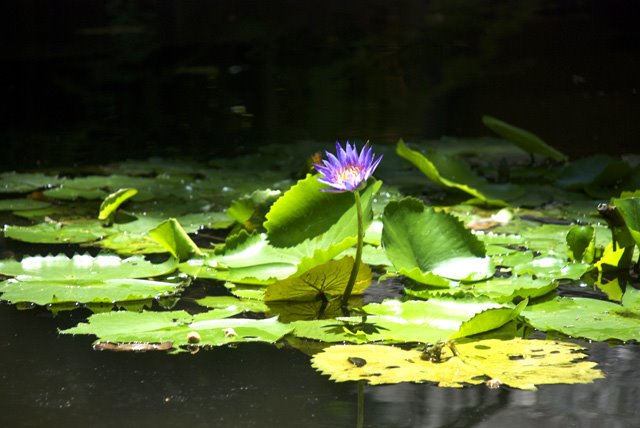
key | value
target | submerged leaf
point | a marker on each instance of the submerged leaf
(517, 363)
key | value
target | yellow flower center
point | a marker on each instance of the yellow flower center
(349, 174)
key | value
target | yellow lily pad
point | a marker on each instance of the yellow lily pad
(517, 363)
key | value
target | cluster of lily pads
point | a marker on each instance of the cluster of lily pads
(489, 239)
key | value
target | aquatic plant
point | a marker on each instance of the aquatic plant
(346, 172)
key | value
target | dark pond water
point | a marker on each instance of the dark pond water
(89, 82)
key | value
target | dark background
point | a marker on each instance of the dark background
(92, 81)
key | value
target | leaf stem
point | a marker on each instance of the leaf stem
(358, 259)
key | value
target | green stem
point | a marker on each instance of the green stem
(356, 263)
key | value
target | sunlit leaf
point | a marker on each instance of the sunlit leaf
(175, 240)
(412, 321)
(84, 267)
(304, 213)
(587, 318)
(53, 232)
(501, 290)
(429, 246)
(179, 328)
(44, 292)
(233, 304)
(113, 201)
(516, 363)
(581, 242)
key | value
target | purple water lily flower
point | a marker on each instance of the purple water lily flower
(347, 171)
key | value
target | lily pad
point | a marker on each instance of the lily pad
(412, 321)
(587, 318)
(63, 232)
(516, 363)
(45, 292)
(23, 204)
(325, 281)
(432, 247)
(84, 268)
(179, 328)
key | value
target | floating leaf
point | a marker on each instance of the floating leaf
(527, 141)
(112, 202)
(412, 321)
(517, 363)
(175, 240)
(51, 232)
(429, 246)
(84, 267)
(325, 281)
(588, 318)
(44, 292)
(178, 327)
(501, 290)
(14, 182)
(232, 304)
(22, 204)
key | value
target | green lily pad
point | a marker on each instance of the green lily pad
(179, 328)
(413, 321)
(84, 268)
(23, 204)
(45, 292)
(587, 318)
(14, 182)
(233, 304)
(432, 247)
(63, 232)
(501, 290)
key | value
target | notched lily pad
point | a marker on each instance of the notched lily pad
(516, 363)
